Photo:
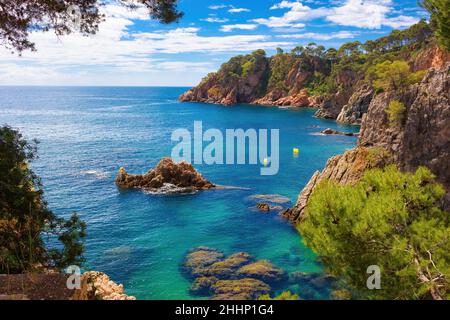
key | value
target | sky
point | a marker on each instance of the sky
(132, 50)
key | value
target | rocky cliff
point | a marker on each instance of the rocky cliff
(241, 80)
(421, 139)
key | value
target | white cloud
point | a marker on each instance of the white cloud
(322, 36)
(217, 20)
(231, 27)
(115, 50)
(218, 6)
(237, 10)
(370, 14)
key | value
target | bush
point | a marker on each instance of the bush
(396, 112)
(389, 219)
(24, 216)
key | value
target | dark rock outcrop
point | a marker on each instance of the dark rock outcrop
(357, 106)
(263, 207)
(167, 176)
(329, 131)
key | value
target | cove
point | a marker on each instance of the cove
(140, 239)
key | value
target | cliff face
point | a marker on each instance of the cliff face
(357, 106)
(423, 138)
(242, 80)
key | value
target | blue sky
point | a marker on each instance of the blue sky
(132, 50)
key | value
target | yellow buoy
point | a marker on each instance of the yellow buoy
(295, 151)
(266, 162)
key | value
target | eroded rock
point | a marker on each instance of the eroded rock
(167, 177)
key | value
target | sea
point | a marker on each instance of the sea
(139, 238)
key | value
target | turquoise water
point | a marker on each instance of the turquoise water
(138, 239)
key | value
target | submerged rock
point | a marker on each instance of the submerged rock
(272, 198)
(263, 270)
(242, 289)
(237, 276)
(202, 286)
(199, 259)
(166, 177)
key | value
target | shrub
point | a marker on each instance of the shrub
(389, 219)
(396, 112)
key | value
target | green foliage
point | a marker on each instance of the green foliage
(391, 75)
(285, 295)
(24, 216)
(440, 17)
(389, 219)
(396, 112)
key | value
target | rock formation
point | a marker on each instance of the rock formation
(238, 276)
(357, 106)
(329, 131)
(167, 176)
(422, 139)
(98, 286)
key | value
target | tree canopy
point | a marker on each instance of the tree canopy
(389, 219)
(25, 220)
(20, 17)
(440, 17)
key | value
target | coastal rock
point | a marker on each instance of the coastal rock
(98, 286)
(357, 106)
(427, 118)
(329, 131)
(263, 270)
(229, 86)
(167, 176)
(263, 207)
(298, 100)
(242, 289)
(424, 136)
(329, 107)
